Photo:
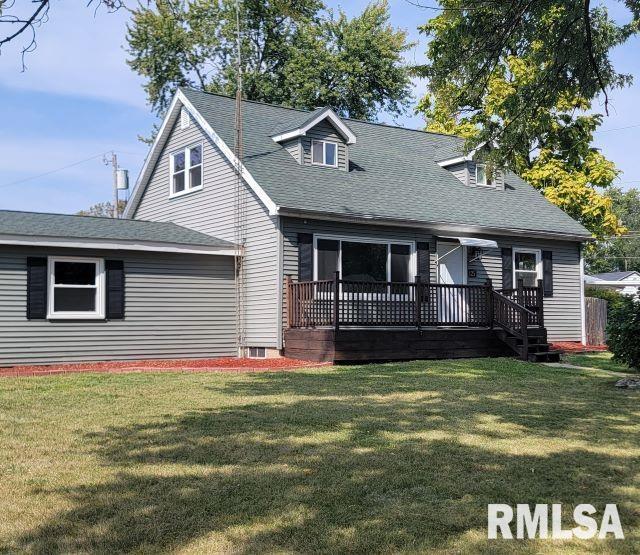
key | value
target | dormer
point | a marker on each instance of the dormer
(319, 138)
(472, 170)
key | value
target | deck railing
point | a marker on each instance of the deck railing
(341, 302)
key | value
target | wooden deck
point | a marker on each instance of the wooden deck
(380, 344)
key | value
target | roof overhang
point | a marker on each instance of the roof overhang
(452, 229)
(328, 114)
(466, 158)
(590, 280)
(109, 244)
(180, 100)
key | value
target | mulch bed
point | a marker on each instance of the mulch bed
(576, 347)
(186, 365)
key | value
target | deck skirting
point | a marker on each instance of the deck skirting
(384, 344)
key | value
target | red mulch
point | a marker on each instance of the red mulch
(576, 347)
(186, 365)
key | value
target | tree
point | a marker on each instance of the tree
(17, 22)
(619, 253)
(103, 209)
(521, 77)
(294, 53)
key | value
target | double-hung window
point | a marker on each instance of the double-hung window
(324, 153)
(483, 178)
(526, 267)
(76, 288)
(364, 260)
(186, 170)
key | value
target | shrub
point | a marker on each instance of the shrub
(609, 295)
(623, 331)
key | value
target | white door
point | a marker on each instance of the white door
(451, 271)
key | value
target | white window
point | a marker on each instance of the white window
(483, 179)
(186, 170)
(364, 259)
(324, 153)
(76, 288)
(257, 352)
(526, 267)
(185, 118)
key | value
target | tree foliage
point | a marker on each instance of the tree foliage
(294, 53)
(103, 209)
(521, 76)
(619, 253)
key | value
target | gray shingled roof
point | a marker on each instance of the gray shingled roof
(614, 276)
(394, 175)
(35, 224)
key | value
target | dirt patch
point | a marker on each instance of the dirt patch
(186, 365)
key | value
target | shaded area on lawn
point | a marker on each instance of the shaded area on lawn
(387, 457)
(603, 361)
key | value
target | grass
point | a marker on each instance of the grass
(601, 360)
(379, 458)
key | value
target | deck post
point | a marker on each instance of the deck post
(540, 306)
(525, 335)
(489, 286)
(336, 301)
(520, 294)
(418, 302)
(287, 281)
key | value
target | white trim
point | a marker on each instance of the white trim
(187, 170)
(324, 153)
(374, 240)
(280, 282)
(99, 312)
(466, 158)
(98, 244)
(327, 113)
(486, 184)
(149, 163)
(583, 322)
(537, 252)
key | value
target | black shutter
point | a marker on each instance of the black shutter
(305, 257)
(114, 270)
(424, 261)
(36, 288)
(547, 273)
(507, 269)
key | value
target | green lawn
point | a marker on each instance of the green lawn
(598, 360)
(394, 457)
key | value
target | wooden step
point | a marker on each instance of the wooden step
(544, 356)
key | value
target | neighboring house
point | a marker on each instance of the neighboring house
(627, 283)
(384, 206)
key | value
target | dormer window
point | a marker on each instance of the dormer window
(324, 153)
(483, 179)
(186, 170)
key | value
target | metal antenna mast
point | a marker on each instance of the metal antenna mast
(240, 201)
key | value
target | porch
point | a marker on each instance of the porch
(341, 320)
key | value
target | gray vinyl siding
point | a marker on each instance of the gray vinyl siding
(176, 306)
(325, 131)
(211, 211)
(465, 172)
(563, 311)
(563, 316)
(294, 148)
(461, 171)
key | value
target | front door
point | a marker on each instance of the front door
(451, 271)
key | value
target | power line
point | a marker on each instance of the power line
(617, 128)
(56, 170)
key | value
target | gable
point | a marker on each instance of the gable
(324, 131)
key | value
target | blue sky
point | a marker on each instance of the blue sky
(78, 99)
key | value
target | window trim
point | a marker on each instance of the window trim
(187, 167)
(537, 252)
(491, 185)
(99, 313)
(324, 153)
(374, 240)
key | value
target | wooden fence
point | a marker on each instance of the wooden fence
(596, 320)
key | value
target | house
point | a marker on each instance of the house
(357, 241)
(626, 283)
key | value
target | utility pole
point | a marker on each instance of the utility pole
(114, 167)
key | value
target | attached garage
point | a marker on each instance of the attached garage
(76, 288)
